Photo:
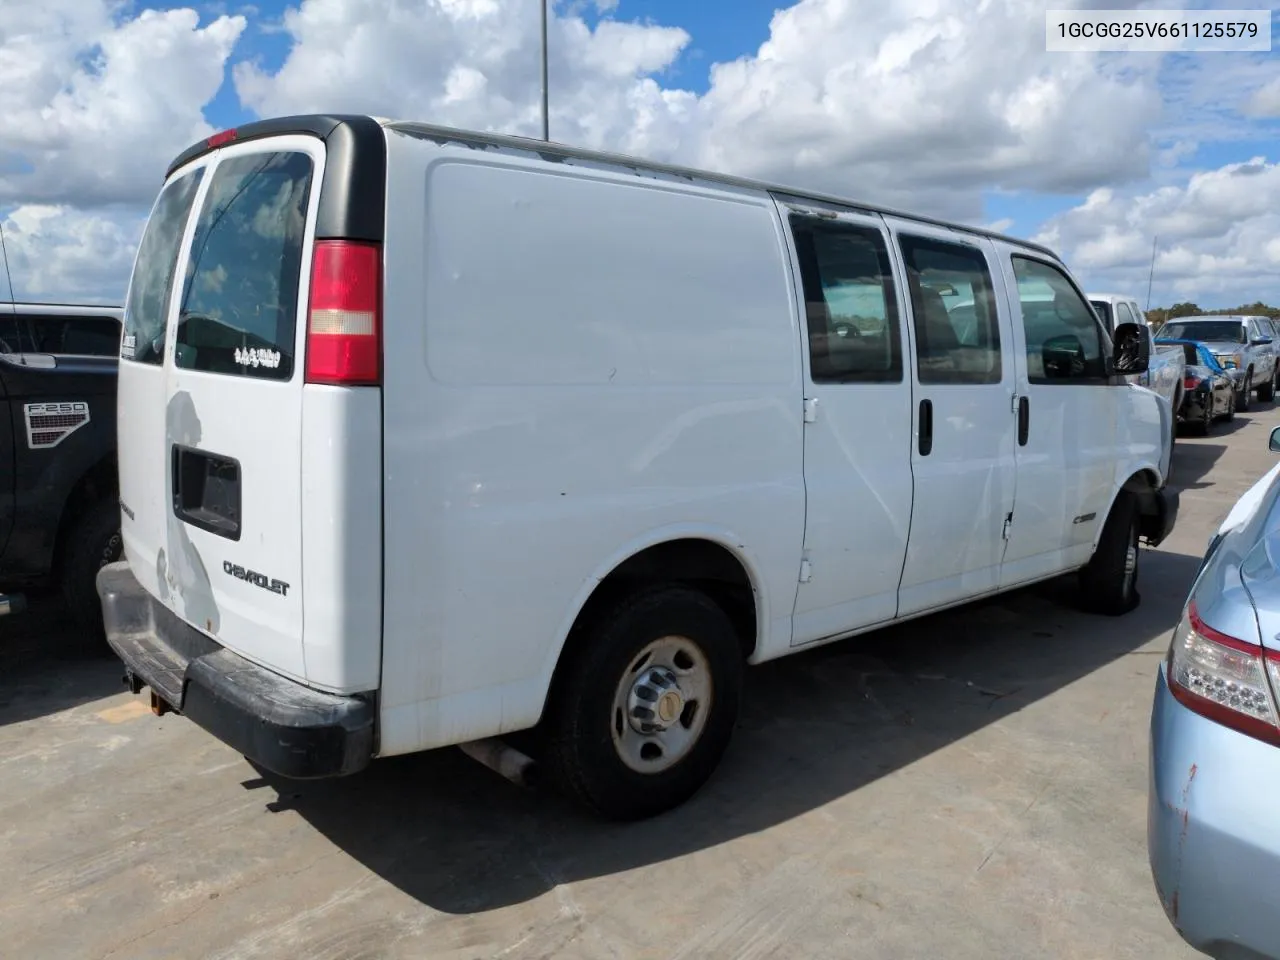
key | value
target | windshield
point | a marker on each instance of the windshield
(1229, 330)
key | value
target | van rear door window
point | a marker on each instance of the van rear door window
(147, 308)
(240, 298)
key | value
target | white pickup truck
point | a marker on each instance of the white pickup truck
(1167, 364)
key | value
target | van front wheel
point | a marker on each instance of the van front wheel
(1109, 583)
(647, 704)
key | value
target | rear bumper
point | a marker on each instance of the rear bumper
(276, 722)
(1210, 836)
(1159, 522)
(1193, 405)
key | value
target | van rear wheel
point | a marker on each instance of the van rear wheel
(92, 542)
(1109, 583)
(646, 706)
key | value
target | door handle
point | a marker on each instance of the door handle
(1024, 420)
(926, 427)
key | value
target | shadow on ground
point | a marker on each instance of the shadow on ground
(816, 727)
(1192, 463)
(48, 665)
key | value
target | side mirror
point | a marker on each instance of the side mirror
(1274, 443)
(1131, 350)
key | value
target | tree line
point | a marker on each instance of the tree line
(1160, 315)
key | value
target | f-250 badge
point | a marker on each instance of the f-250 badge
(48, 424)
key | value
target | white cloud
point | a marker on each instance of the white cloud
(1216, 233)
(475, 63)
(1265, 101)
(924, 103)
(912, 103)
(62, 254)
(903, 102)
(91, 107)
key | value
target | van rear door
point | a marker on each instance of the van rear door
(212, 398)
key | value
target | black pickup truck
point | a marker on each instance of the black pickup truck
(59, 500)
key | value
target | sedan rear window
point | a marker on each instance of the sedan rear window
(240, 298)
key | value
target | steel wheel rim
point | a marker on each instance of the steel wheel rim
(1131, 561)
(661, 705)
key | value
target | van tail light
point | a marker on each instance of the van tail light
(1224, 679)
(344, 322)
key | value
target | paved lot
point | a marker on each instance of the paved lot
(970, 785)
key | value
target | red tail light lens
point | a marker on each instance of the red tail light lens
(1223, 678)
(344, 322)
(1189, 382)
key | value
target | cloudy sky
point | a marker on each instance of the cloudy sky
(950, 107)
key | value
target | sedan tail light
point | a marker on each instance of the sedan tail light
(1190, 382)
(1224, 679)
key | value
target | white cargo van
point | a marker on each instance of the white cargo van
(428, 437)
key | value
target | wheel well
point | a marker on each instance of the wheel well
(703, 564)
(698, 563)
(98, 482)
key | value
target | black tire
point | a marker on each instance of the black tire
(1108, 585)
(92, 542)
(1205, 423)
(1231, 409)
(1242, 399)
(1267, 391)
(578, 730)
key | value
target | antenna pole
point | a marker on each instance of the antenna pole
(546, 130)
(7, 272)
(1152, 274)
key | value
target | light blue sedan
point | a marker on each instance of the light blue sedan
(1213, 834)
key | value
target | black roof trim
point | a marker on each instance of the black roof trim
(353, 194)
(783, 193)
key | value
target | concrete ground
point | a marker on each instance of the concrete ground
(970, 785)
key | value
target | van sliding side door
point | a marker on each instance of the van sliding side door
(857, 464)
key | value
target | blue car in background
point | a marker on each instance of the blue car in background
(1208, 389)
(1212, 834)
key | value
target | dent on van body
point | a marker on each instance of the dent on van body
(181, 576)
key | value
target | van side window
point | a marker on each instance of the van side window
(240, 298)
(954, 312)
(850, 302)
(1125, 315)
(1063, 336)
(146, 311)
